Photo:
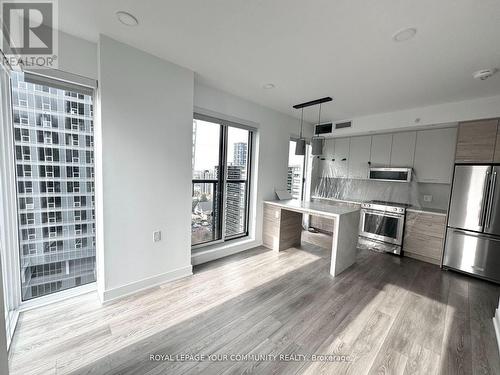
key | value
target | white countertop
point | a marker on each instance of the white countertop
(425, 210)
(325, 209)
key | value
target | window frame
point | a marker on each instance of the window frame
(222, 180)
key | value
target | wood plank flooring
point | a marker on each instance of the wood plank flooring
(390, 315)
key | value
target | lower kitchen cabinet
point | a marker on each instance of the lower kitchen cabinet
(424, 236)
(322, 223)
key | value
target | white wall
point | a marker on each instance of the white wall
(77, 56)
(271, 149)
(435, 114)
(146, 107)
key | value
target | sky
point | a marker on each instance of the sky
(207, 144)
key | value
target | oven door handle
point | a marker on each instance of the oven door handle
(382, 213)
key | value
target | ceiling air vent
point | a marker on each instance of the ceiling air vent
(342, 125)
(323, 129)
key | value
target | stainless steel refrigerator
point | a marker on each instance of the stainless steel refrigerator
(473, 232)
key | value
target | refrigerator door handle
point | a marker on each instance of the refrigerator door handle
(477, 235)
(485, 193)
(489, 210)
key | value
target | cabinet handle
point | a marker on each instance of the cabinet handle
(344, 159)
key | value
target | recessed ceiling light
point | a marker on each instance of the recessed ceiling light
(484, 74)
(404, 34)
(126, 18)
(268, 86)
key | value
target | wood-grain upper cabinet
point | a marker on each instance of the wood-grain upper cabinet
(381, 150)
(434, 155)
(403, 149)
(341, 155)
(496, 157)
(359, 156)
(476, 141)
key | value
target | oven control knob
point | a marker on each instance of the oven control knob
(395, 209)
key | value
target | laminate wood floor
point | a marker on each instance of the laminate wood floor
(389, 315)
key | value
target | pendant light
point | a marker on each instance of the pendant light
(300, 144)
(317, 141)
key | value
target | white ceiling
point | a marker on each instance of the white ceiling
(314, 48)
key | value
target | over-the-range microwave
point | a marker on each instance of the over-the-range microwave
(390, 174)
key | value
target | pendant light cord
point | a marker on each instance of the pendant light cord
(319, 117)
(301, 121)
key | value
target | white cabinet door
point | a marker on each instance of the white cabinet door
(435, 155)
(403, 149)
(359, 156)
(341, 155)
(381, 150)
(329, 148)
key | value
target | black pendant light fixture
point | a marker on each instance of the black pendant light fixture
(300, 144)
(316, 141)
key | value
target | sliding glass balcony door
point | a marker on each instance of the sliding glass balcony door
(220, 184)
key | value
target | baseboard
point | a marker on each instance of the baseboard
(496, 323)
(422, 258)
(150, 282)
(212, 253)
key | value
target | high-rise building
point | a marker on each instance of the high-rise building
(240, 153)
(294, 181)
(235, 201)
(195, 133)
(54, 145)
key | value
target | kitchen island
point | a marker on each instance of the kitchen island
(282, 228)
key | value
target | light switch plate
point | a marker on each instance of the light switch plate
(427, 198)
(157, 236)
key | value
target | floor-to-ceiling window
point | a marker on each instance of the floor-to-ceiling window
(54, 164)
(299, 172)
(295, 178)
(8, 224)
(221, 177)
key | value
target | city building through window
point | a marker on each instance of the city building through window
(55, 173)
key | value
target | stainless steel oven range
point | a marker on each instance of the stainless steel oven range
(381, 225)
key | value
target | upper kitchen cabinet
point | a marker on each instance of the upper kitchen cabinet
(341, 155)
(403, 149)
(434, 155)
(381, 150)
(329, 148)
(476, 142)
(359, 156)
(496, 157)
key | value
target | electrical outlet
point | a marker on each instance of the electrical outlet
(427, 198)
(157, 236)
